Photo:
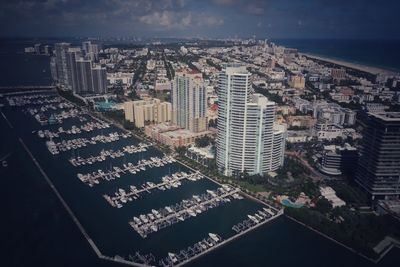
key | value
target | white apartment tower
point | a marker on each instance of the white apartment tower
(189, 100)
(248, 138)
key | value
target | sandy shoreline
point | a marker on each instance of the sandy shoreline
(369, 69)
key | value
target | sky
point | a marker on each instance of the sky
(350, 19)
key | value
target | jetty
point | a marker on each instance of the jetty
(121, 196)
(155, 220)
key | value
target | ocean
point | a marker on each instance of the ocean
(37, 231)
(375, 53)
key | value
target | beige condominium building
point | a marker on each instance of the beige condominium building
(148, 111)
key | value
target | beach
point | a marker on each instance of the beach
(361, 67)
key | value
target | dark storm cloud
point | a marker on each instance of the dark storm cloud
(269, 18)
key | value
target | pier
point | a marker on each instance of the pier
(260, 216)
(66, 145)
(94, 178)
(131, 149)
(226, 241)
(186, 255)
(159, 219)
(87, 127)
(173, 181)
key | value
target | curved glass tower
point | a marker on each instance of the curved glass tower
(247, 140)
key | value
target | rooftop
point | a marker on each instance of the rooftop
(387, 116)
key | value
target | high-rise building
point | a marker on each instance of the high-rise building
(148, 111)
(53, 68)
(72, 55)
(86, 46)
(99, 76)
(84, 75)
(379, 163)
(74, 72)
(90, 50)
(61, 63)
(37, 49)
(46, 50)
(189, 100)
(248, 139)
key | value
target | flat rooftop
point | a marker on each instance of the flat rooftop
(387, 116)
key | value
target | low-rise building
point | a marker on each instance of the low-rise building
(298, 136)
(301, 121)
(202, 155)
(297, 81)
(120, 78)
(330, 194)
(338, 160)
(172, 135)
(163, 84)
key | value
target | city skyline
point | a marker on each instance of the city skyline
(200, 133)
(211, 19)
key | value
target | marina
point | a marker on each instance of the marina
(170, 181)
(159, 219)
(87, 127)
(259, 217)
(99, 151)
(176, 259)
(104, 154)
(32, 99)
(67, 145)
(94, 178)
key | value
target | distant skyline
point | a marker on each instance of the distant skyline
(354, 19)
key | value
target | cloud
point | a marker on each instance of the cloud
(225, 2)
(179, 20)
(255, 9)
(215, 18)
(210, 21)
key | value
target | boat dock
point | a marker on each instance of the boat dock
(37, 99)
(87, 127)
(94, 178)
(78, 161)
(259, 217)
(149, 223)
(66, 145)
(170, 181)
(186, 255)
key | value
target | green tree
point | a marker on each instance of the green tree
(323, 205)
(203, 141)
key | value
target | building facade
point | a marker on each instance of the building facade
(72, 55)
(72, 71)
(61, 62)
(379, 164)
(99, 77)
(148, 111)
(189, 100)
(248, 139)
(84, 75)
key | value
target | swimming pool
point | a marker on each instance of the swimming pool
(286, 202)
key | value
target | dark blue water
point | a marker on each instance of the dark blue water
(376, 53)
(18, 68)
